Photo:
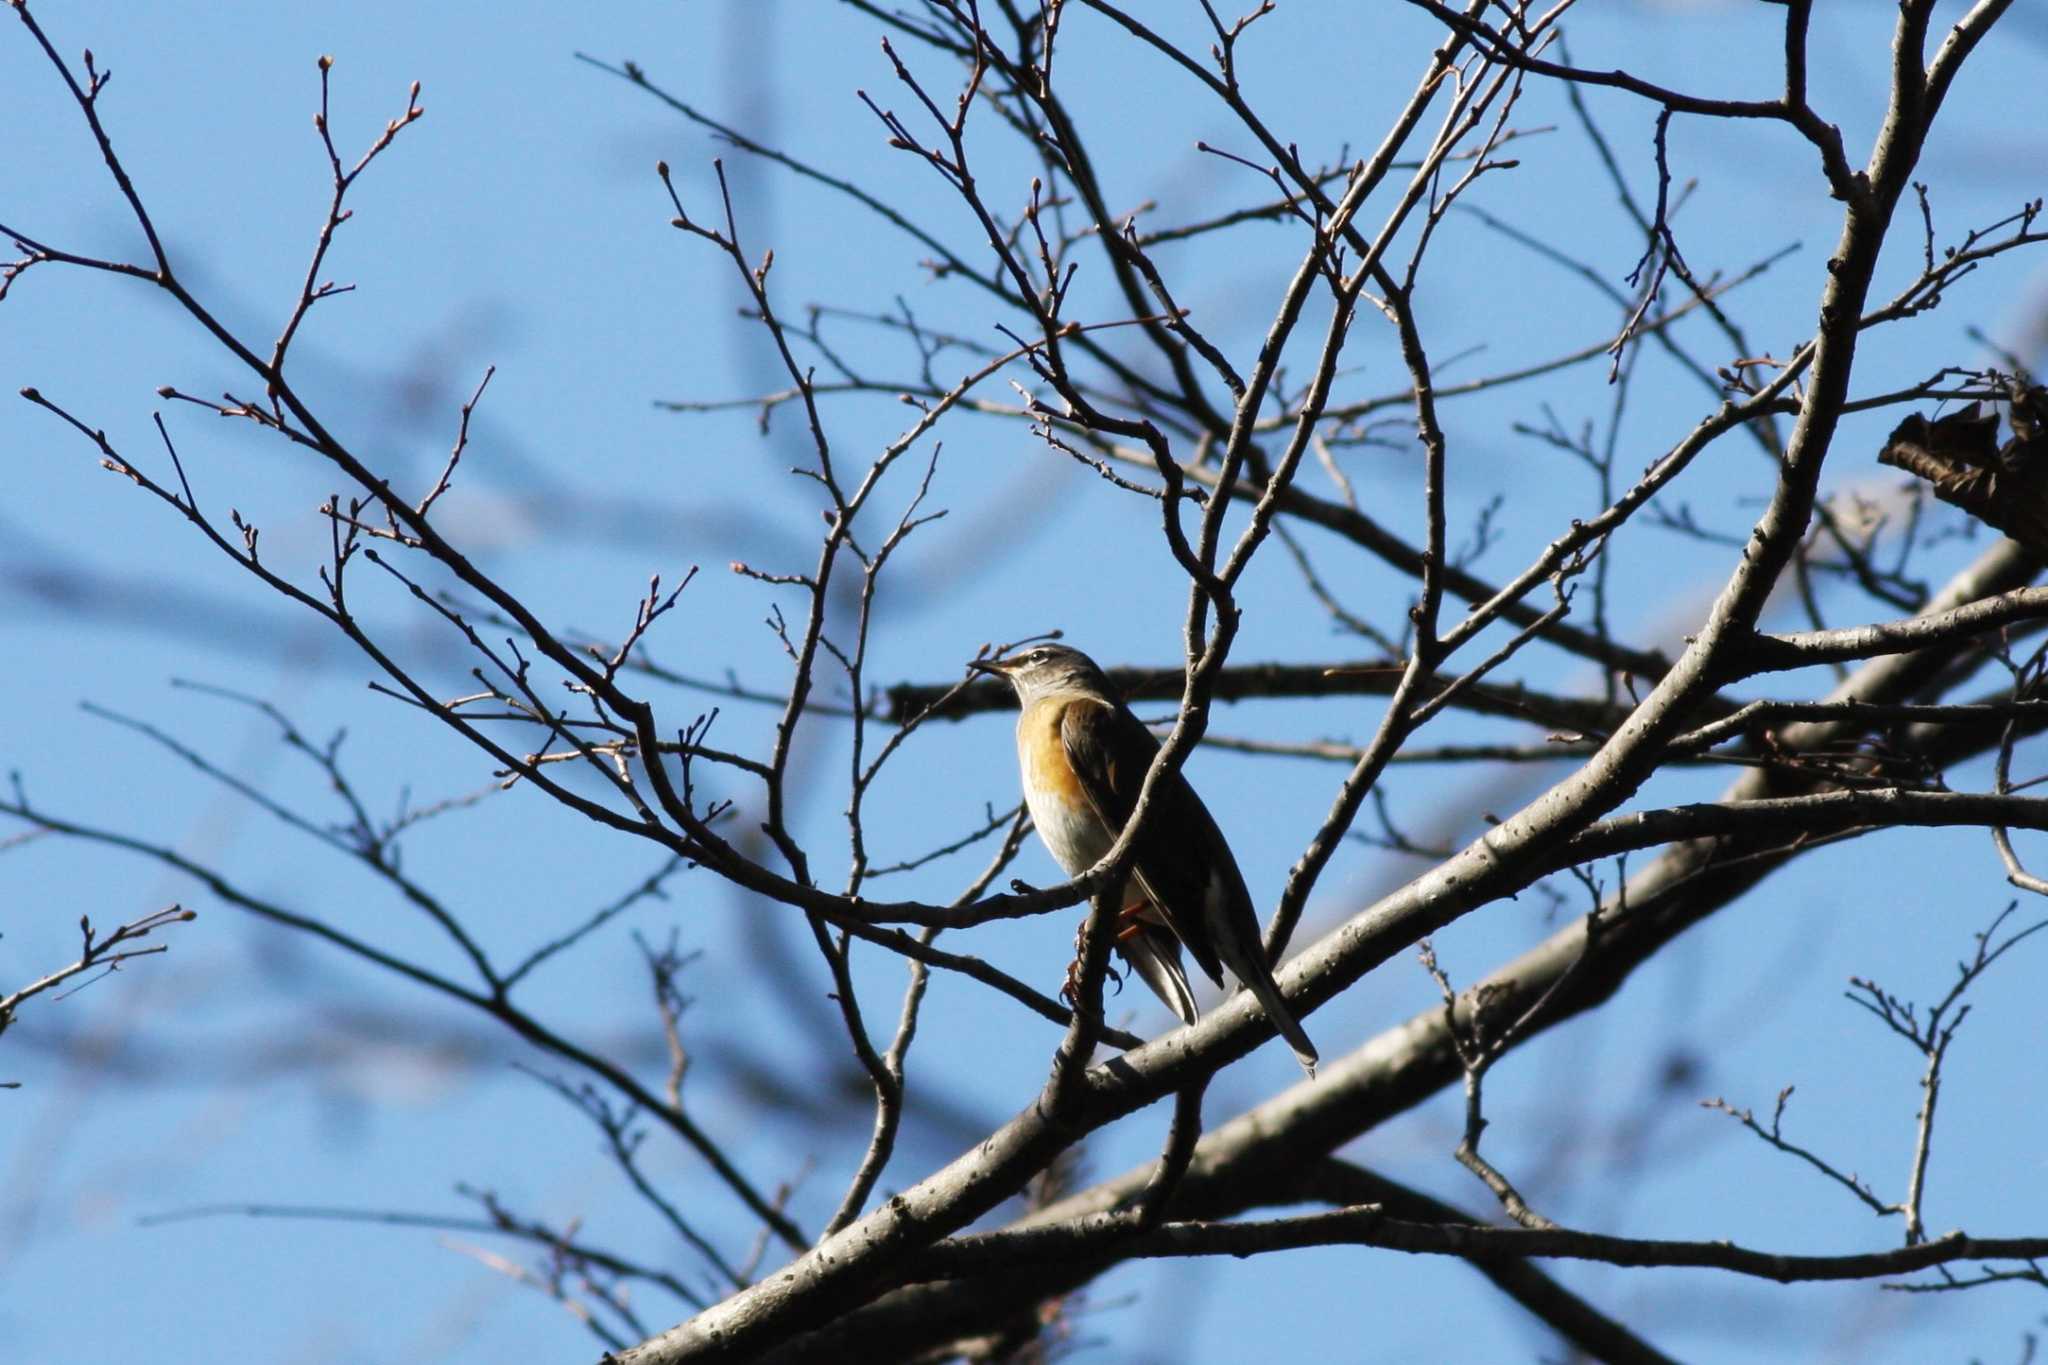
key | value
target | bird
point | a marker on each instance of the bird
(1083, 758)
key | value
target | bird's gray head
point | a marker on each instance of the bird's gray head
(1043, 670)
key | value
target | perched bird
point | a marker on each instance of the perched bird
(1084, 757)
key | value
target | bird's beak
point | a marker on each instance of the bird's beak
(999, 667)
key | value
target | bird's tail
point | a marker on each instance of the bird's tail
(1258, 979)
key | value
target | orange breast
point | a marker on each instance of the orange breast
(1045, 757)
(1059, 807)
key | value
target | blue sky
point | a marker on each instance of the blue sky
(519, 225)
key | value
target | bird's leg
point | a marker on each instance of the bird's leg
(1130, 922)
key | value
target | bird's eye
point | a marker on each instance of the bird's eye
(1039, 656)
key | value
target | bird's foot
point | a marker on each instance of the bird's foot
(1070, 989)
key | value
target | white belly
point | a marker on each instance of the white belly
(1075, 838)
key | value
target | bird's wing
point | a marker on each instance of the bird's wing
(1183, 864)
(1111, 750)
